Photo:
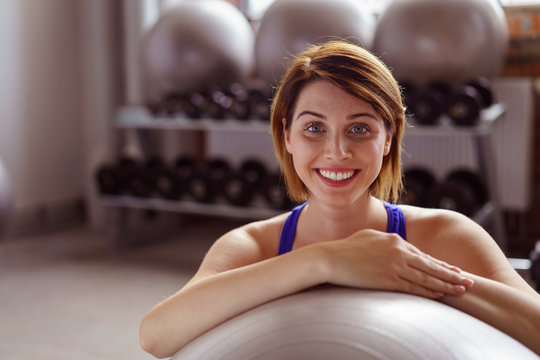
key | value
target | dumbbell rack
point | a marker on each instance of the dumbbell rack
(481, 135)
(140, 120)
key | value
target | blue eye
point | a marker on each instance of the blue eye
(360, 129)
(314, 128)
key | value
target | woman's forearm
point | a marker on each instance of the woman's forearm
(204, 304)
(512, 311)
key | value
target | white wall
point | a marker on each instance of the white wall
(41, 122)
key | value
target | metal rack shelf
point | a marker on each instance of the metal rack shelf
(255, 212)
(137, 117)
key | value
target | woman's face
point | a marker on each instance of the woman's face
(337, 142)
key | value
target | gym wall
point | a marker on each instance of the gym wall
(41, 136)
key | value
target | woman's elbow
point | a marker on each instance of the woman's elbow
(150, 342)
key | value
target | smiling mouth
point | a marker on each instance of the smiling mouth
(335, 175)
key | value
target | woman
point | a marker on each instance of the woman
(337, 123)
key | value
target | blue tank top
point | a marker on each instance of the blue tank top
(396, 224)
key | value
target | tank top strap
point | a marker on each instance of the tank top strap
(396, 220)
(289, 230)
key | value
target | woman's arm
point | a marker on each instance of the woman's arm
(210, 299)
(500, 296)
(508, 309)
(236, 276)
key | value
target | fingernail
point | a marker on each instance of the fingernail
(468, 282)
(460, 289)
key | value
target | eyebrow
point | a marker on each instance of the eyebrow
(349, 117)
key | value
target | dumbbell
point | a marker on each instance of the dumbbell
(107, 180)
(275, 192)
(418, 184)
(428, 104)
(465, 104)
(462, 191)
(134, 178)
(164, 181)
(240, 107)
(217, 170)
(241, 186)
(193, 180)
(259, 104)
(237, 190)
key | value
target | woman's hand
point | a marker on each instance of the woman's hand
(378, 260)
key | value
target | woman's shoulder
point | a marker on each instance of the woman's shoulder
(244, 245)
(262, 236)
(438, 224)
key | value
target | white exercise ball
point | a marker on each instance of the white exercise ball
(441, 40)
(6, 198)
(289, 26)
(343, 323)
(197, 43)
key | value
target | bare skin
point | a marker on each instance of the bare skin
(341, 240)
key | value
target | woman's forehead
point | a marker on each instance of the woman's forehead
(323, 96)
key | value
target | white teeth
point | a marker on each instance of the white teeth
(336, 176)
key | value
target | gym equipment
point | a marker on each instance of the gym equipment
(237, 190)
(163, 180)
(342, 323)
(201, 188)
(462, 191)
(134, 178)
(108, 181)
(464, 105)
(259, 103)
(418, 184)
(427, 105)
(275, 192)
(254, 172)
(218, 170)
(6, 198)
(194, 180)
(452, 41)
(288, 26)
(196, 43)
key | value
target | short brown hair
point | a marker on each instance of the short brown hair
(359, 73)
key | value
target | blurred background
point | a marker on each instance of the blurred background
(133, 133)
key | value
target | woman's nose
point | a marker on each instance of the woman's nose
(337, 148)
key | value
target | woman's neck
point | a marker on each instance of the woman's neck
(323, 222)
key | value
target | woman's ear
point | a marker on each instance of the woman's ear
(388, 142)
(286, 135)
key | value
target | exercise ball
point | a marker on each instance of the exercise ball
(197, 43)
(288, 26)
(344, 323)
(6, 198)
(452, 41)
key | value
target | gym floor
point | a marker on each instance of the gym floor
(67, 295)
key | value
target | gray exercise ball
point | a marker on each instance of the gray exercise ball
(6, 198)
(288, 26)
(197, 43)
(453, 41)
(343, 323)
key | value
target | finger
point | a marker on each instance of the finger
(417, 251)
(432, 283)
(445, 264)
(413, 288)
(428, 265)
